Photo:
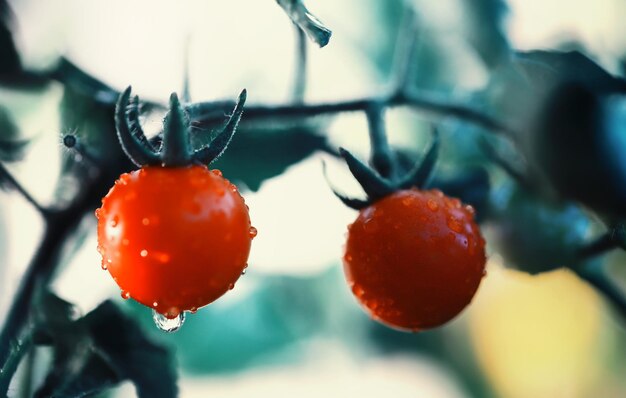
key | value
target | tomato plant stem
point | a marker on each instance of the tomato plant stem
(8, 368)
(211, 113)
(10, 180)
(300, 72)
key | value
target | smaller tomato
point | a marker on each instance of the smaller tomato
(414, 259)
(174, 238)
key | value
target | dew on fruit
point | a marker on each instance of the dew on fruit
(104, 266)
(125, 242)
(432, 205)
(115, 221)
(358, 290)
(455, 225)
(168, 325)
(470, 209)
(217, 172)
(253, 232)
(125, 295)
(145, 221)
(143, 253)
(231, 286)
(155, 304)
(193, 310)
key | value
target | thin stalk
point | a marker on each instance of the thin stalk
(213, 113)
(12, 362)
(300, 72)
(10, 180)
(381, 158)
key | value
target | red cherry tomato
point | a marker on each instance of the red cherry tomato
(414, 259)
(174, 239)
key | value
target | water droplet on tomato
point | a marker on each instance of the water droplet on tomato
(253, 232)
(347, 257)
(193, 310)
(358, 290)
(155, 304)
(470, 209)
(143, 253)
(455, 225)
(145, 221)
(406, 202)
(168, 325)
(98, 212)
(217, 172)
(231, 286)
(125, 242)
(432, 205)
(114, 221)
(125, 295)
(104, 266)
(370, 225)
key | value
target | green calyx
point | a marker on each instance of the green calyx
(175, 149)
(380, 183)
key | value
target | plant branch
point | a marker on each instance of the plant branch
(6, 177)
(9, 366)
(212, 113)
(300, 73)
(381, 158)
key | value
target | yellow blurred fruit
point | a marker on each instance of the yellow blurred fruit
(539, 336)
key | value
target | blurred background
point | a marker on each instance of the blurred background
(291, 325)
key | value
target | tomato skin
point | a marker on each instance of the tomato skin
(414, 259)
(174, 239)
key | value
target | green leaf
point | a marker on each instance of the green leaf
(259, 153)
(550, 67)
(484, 31)
(9, 58)
(11, 147)
(99, 351)
(300, 15)
(120, 339)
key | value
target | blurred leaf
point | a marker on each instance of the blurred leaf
(122, 342)
(546, 68)
(259, 153)
(11, 147)
(300, 15)
(99, 351)
(82, 83)
(9, 57)
(484, 31)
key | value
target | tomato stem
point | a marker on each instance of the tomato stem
(299, 80)
(7, 178)
(176, 148)
(381, 158)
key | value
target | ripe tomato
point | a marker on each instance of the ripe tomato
(414, 259)
(174, 238)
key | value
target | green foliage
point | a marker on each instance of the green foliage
(9, 58)
(11, 146)
(98, 351)
(258, 153)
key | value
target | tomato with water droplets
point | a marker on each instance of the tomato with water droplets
(174, 239)
(414, 259)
